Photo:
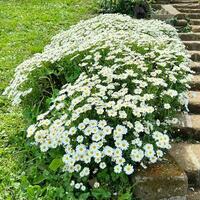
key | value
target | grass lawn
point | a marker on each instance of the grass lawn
(26, 26)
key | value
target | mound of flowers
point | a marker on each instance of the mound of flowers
(117, 113)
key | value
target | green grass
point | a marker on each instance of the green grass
(26, 26)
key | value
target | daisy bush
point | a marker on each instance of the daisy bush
(116, 114)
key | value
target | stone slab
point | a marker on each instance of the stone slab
(184, 1)
(188, 158)
(188, 126)
(189, 6)
(196, 29)
(195, 83)
(190, 36)
(186, 10)
(190, 121)
(195, 21)
(161, 181)
(181, 22)
(195, 55)
(176, 198)
(170, 9)
(194, 101)
(190, 15)
(193, 195)
(192, 45)
(195, 66)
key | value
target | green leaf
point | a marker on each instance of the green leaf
(84, 196)
(55, 164)
(55, 153)
(114, 176)
(124, 178)
(39, 179)
(101, 193)
(60, 192)
(24, 182)
(33, 191)
(125, 196)
(103, 176)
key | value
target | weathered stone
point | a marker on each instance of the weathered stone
(193, 195)
(163, 180)
(190, 36)
(188, 158)
(183, 1)
(195, 21)
(181, 22)
(175, 198)
(170, 9)
(189, 126)
(192, 45)
(195, 56)
(195, 66)
(196, 29)
(194, 102)
(187, 10)
(181, 16)
(190, 6)
(175, 1)
(195, 83)
(192, 15)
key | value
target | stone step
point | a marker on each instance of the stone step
(190, 36)
(181, 22)
(176, 1)
(181, 16)
(194, 102)
(192, 45)
(195, 21)
(196, 29)
(193, 195)
(183, 1)
(162, 180)
(195, 83)
(189, 10)
(189, 126)
(191, 16)
(195, 56)
(187, 5)
(195, 66)
(188, 158)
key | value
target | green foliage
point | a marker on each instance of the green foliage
(55, 164)
(136, 8)
(101, 193)
(46, 83)
(39, 177)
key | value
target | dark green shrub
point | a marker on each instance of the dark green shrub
(135, 8)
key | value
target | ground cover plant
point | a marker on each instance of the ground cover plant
(106, 92)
